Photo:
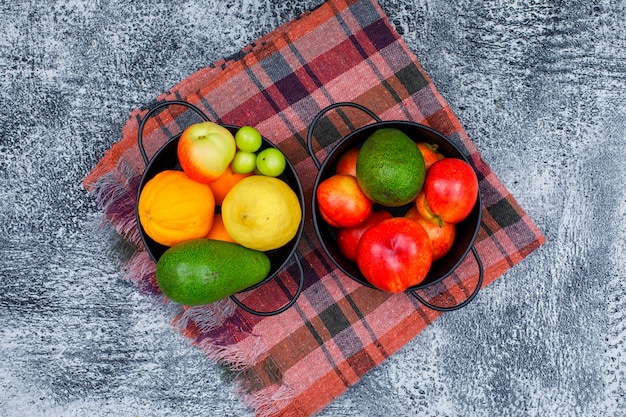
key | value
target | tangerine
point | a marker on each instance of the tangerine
(225, 182)
(218, 231)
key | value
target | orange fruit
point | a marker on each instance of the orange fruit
(218, 231)
(173, 208)
(224, 183)
(429, 153)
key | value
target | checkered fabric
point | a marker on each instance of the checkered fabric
(295, 363)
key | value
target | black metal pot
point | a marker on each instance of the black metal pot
(466, 230)
(166, 158)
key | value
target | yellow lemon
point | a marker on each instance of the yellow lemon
(261, 213)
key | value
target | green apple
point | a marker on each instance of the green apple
(270, 162)
(244, 162)
(248, 139)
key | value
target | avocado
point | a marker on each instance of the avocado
(202, 271)
(390, 168)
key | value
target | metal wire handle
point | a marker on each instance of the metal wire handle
(309, 142)
(467, 301)
(283, 308)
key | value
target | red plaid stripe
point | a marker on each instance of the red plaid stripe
(296, 363)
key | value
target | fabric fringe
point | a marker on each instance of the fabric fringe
(207, 317)
(141, 270)
(236, 358)
(200, 320)
(271, 401)
(117, 198)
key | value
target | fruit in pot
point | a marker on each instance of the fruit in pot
(244, 162)
(173, 208)
(270, 162)
(348, 237)
(248, 139)
(218, 230)
(429, 153)
(441, 237)
(342, 202)
(261, 213)
(390, 168)
(328, 220)
(424, 211)
(205, 150)
(346, 164)
(395, 254)
(202, 271)
(450, 191)
(224, 183)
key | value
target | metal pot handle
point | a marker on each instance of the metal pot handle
(309, 143)
(283, 308)
(464, 303)
(154, 110)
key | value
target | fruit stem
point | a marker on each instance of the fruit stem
(433, 146)
(439, 220)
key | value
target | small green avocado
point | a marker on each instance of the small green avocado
(390, 168)
(202, 271)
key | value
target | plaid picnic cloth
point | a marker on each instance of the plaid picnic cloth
(295, 363)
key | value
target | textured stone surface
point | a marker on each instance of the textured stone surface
(539, 86)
